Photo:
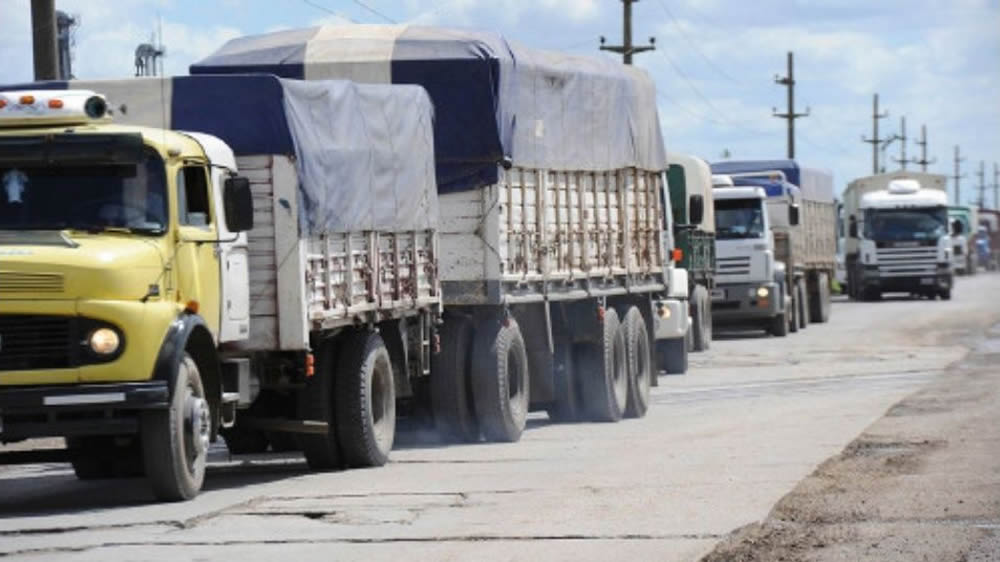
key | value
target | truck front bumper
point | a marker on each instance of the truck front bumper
(670, 319)
(74, 410)
(741, 302)
(941, 281)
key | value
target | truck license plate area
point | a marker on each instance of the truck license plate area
(718, 294)
(926, 280)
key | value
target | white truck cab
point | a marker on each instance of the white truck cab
(750, 286)
(898, 238)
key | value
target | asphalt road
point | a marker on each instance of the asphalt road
(719, 448)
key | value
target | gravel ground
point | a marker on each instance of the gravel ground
(922, 483)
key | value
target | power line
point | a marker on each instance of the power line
(694, 44)
(328, 10)
(374, 11)
(358, 2)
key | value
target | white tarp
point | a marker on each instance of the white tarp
(365, 155)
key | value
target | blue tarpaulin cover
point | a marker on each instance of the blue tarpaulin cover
(493, 99)
(815, 185)
(364, 153)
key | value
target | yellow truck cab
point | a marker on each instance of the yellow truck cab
(112, 240)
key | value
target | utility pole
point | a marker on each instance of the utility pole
(875, 141)
(43, 39)
(958, 176)
(902, 160)
(982, 185)
(996, 187)
(922, 143)
(791, 116)
(627, 49)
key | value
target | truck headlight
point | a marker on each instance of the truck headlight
(762, 292)
(104, 341)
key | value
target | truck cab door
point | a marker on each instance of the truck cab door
(197, 258)
(234, 270)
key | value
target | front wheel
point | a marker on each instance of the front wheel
(672, 355)
(945, 294)
(779, 325)
(175, 440)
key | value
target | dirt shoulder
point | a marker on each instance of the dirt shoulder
(922, 483)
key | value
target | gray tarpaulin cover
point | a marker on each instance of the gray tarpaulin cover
(493, 99)
(364, 152)
(365, 155)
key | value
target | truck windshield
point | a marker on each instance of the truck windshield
(738, 218)
(93, 198)
(897, 225)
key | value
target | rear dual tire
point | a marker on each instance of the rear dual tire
(353, 391)
(500, 383)
(604, 372)
(451, 392)
(701, 324)
(640, 363)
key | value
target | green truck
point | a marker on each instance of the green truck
(690, 182)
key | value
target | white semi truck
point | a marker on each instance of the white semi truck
(898, 238)
(775, 245)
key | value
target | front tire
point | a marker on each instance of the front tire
(97, 457)
(779, 325)
(175, 441)
(672, 355)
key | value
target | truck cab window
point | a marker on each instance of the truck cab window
(192, 197)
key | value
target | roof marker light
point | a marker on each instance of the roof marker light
(27, 100)
(3, 103)
(55, 104)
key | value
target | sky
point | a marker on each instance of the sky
(715, 63)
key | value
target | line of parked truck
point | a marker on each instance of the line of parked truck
(320, 231)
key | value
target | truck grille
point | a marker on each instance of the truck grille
(737, 265)
(12, 282)
(907, 262)
(37, 342)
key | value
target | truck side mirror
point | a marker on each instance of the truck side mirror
(793, 215)
(238, 201)
(696, 209)
(852, 227)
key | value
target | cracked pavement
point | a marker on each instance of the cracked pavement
(719, 448)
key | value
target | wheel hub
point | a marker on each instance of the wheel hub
(199, 423)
